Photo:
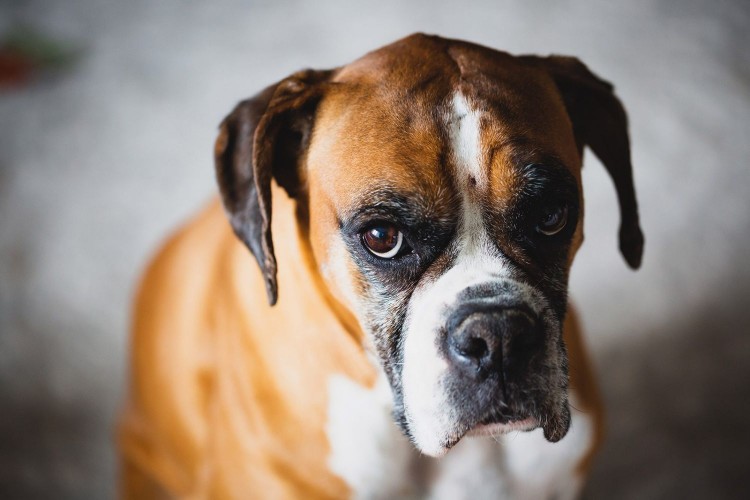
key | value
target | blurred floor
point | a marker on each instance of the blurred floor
(97, 165)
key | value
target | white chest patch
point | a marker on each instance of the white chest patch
(517, 466)
(367, 449)
(376, 461)
(540, 469)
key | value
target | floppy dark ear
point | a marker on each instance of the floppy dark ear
(263, 138)
(600, 122)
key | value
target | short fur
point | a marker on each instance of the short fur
(462, 148)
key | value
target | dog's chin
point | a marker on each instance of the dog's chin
(555, 425)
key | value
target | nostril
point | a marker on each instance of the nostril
(472, 347)
(475, 341)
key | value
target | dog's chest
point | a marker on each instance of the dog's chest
(376, 461)
(367, 449)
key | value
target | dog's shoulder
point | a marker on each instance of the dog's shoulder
(172, 311)
(163, 429)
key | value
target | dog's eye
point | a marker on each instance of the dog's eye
(383, 241)
(553, 220)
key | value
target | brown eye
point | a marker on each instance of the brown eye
(383, 241)
(553, 221)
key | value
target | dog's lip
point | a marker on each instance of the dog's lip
(498, 428)
(493, 428)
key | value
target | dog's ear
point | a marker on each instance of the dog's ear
(600, 122)
(264, 137)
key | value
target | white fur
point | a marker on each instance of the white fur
(424, 400)
(518, 466)
(368, 451)
(371, 455)
(540, 469)
(427, 412)
(474, 469)
(464, 133)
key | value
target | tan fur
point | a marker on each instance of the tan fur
(228, 395)
(408, 142)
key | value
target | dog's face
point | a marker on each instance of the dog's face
(443, 202)
(445, 213)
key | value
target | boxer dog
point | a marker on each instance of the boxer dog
(405, 329)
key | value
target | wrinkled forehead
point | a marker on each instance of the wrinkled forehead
(429, 123)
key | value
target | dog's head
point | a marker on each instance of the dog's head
(441, 191)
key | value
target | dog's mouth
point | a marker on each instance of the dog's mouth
(494, 429)
(555, 425)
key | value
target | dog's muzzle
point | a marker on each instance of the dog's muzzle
(505, 361)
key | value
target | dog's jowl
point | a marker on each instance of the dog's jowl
(386, 312)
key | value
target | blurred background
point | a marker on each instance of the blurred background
(108, 115)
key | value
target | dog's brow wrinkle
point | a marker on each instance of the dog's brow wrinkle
(514, 143)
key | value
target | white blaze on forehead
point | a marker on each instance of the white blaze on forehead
(463, 130)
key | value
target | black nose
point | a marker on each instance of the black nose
(478, 341)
